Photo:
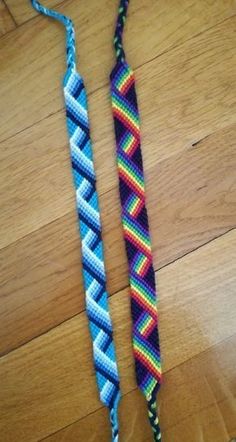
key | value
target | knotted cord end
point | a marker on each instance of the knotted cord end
(153, 416)
(118, 44)
(113, 410)
(70, 33)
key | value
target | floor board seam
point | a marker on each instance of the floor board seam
(187, 40)
(137, 389)
(194, 145)
(106, 84)
(5, 354)
(12, 17)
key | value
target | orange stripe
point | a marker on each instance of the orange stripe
(151, 309)
(132, 145)
(147, 361)
(121, 115)
(144, 266)
(150, 325)
(127, 115)
(139, 187)
(126, 84)
(139, 243)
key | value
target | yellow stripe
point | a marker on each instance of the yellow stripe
(146, 246)
(136, 125)
(139, 186)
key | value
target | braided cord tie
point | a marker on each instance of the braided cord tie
(118, 43)
(135, 227)
(90, 227)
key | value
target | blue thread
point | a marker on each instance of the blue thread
(90, 227)
(70, 33)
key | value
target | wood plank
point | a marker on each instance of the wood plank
(197, 403)
(37, 96)
(175, 120)
(191, 200)
(22, 11)
(40, 392)
(6, 21)
(32, 167)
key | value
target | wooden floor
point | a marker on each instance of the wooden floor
(184, 57)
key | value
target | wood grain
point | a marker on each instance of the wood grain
(22, 11)
(173, 118)
(6, 21)
(37, 96)
(181, 13)
(202, 390)
(41, 273)
(183, 53)
(49, 383)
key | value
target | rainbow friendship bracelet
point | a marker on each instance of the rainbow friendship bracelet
(135, 227)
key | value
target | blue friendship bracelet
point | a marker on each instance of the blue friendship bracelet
(90, 226)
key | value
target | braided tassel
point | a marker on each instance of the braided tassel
(90, 227)
(135, 227)
(153, 416)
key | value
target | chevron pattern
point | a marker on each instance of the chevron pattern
(137, 239)
(92, 249)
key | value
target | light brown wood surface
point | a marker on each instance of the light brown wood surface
(184, 58)
(7, 22)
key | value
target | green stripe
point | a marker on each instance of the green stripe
(140, 261)
(123, 77)
(145, 351)
(126, 110)
(144, 323)
(150, 385)
(138, 178)
(144, 293)
(145, 239)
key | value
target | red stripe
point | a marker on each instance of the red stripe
(127, 122)
(142, 303)
(138, 208)
(127, 84)
(156, 373)
(144, 268)
(139, 245)
(125, 176)
(133, 146)
(150, 327)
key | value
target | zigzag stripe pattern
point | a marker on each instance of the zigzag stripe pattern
(90, 227)
(137, 238)
(135, 227)
(92, 250)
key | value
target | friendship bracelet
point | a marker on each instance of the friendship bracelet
(90, 227)
(135, 226)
